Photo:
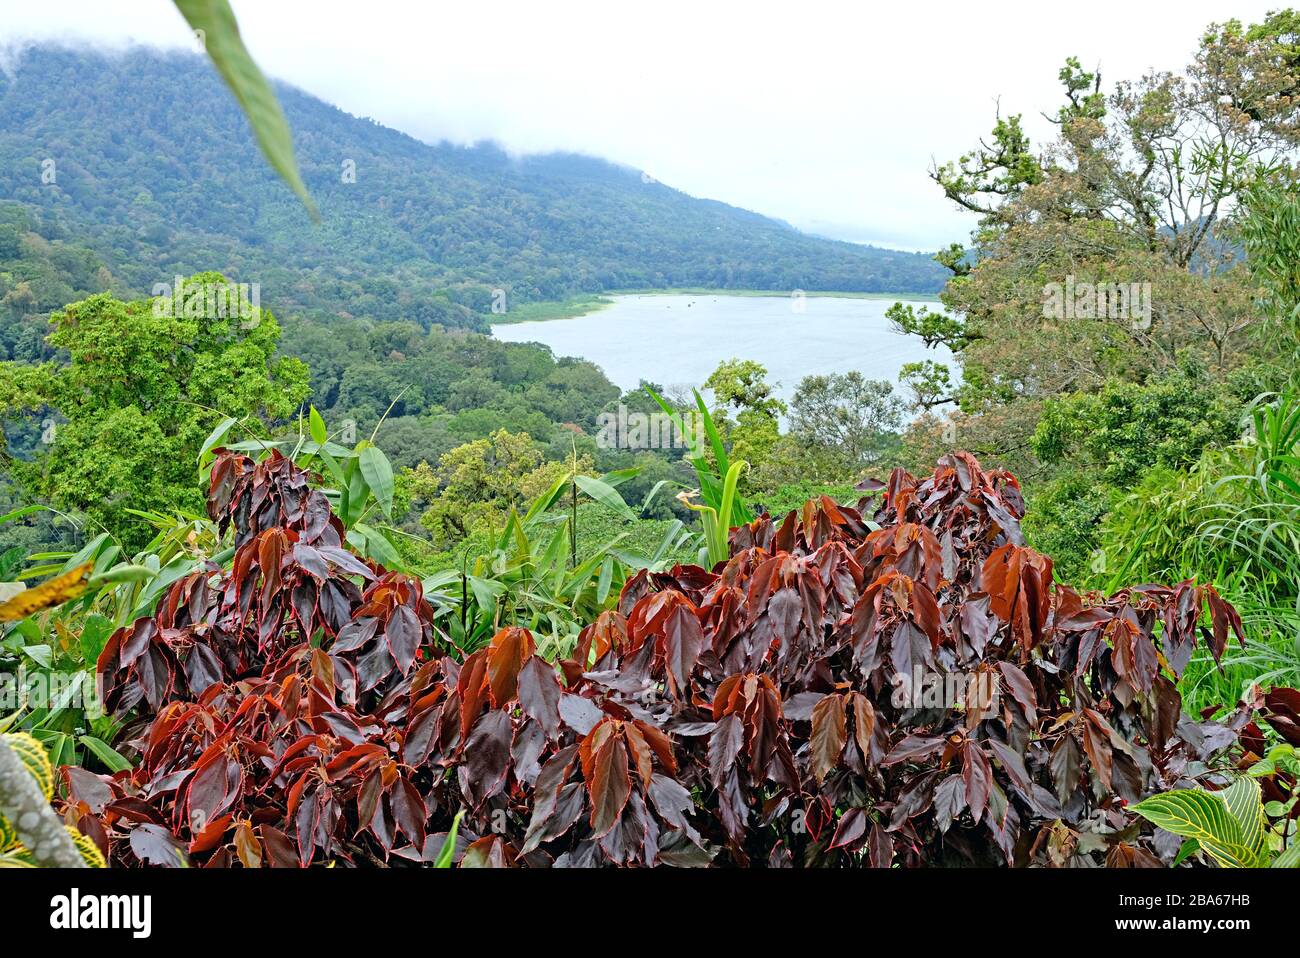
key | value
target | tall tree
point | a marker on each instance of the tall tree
(145, 384)
(849, 417)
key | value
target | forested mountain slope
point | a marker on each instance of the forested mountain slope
(144, 158)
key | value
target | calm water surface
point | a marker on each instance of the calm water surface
(678, 340)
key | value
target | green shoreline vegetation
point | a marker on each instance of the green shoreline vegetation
(584, 305)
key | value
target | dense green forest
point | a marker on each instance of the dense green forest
(113, 153)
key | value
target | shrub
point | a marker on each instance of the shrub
(764, 712)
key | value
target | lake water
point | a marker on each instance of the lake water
(678, 340)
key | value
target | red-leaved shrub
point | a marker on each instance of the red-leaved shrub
(906, 688)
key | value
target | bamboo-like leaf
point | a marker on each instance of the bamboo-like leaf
(214, 22)
(606, 578)
(105, 753)
(617, 477)
(316, 426)
(485, 591)
(650, 496)
(547, 499)
(214, 437)
(378, 547)
(20, 513)
(605, 494)
(715, 436)
(378, 473)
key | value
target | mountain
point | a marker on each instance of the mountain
(143, 158)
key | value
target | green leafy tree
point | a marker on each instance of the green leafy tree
(474, 486)
(740, 386)
(1132, 193)
(848, 417)
(146, 382)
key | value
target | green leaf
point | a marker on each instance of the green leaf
(42, 655)
(448, 851)
(214, 438)
(650, 496)
(605, 495)
(711, 429)
(19, 513)
(551, 562)
(95, 631)
(220, 34)
(378, 473)
(1189, 848)
(316, 426)
(547, 499)
(727, 512)
(617, 477)
(672, 536)
(377, 546)
(122, 573)
(1243, 801)
(1289, 858)
(485, 591)
(111, 758)
(61, 747)
(606, 578)
(335, 470)
(1193, 813)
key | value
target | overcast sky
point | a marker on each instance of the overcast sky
(825, 114)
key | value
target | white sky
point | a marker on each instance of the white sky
(825, 114)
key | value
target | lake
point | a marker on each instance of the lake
(678, 340)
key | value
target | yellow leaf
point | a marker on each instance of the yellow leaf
(51, 592)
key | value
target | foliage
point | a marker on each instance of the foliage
(40, 272)
(711, 462)
(423, 393)
(1269, 229)
(290, 579)
(214, 22)
(741, 386)
(1098, 447)
(1134, 189)
(744, 715)
(786, 498)
(847, 417)
(544, 570)
(137, 398)
(1124, 428)
(426, 233)
(475, 486)
(1231, 519)
(1063, 519)
(1236, 826)
(47, 657)
(1124, 416)
(716, 529)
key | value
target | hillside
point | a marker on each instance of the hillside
(157, 187)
